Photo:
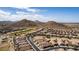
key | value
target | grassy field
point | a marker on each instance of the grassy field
(23, 31)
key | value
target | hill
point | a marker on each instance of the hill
(23, 23)
(13, 26)
(52, 24)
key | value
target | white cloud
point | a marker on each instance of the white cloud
(29, 9)
(3, 13)
(7, 16)
(21, 13)
(32, 10)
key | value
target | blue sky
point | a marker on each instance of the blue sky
(59, 14)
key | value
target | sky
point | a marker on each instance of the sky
(44, 14)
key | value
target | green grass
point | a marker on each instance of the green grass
(20, 32)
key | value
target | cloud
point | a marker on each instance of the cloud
(21, 13)
(32, 10)
(33, 16)
(3, 13)
(7, 16)
(29, 9)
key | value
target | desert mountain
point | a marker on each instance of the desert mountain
(23, 23)
(52, 24)
(16, 25)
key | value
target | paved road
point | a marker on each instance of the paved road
(29, 39)
(64, 47)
